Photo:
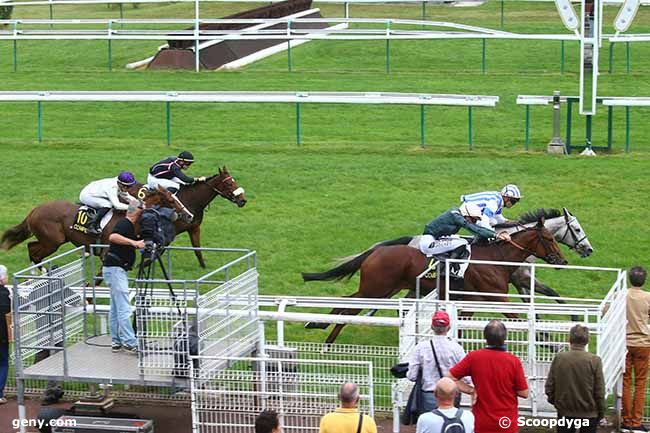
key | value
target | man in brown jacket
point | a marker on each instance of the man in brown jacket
(575, 385)
(638, 350)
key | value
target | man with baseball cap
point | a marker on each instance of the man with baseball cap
(434, 358)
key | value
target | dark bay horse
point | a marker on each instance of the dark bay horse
(51, 223)
(197, 196)
(387, 270)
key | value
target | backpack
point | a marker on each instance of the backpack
(451, 425)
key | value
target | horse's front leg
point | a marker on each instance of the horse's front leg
(195, 239)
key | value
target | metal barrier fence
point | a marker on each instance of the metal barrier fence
(300, 390)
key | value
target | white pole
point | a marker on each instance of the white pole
(196, 35)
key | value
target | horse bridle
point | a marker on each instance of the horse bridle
(570, 229)
(548, 257)
(232, 196)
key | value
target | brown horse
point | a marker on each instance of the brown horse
(387, 270)
(197, 196)
(51, 223)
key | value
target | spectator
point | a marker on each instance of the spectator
(575, 385)
(498, 380)
(638, 350)
(434, 357)
(5, 308)
(119, 259)
(347, 418)
(267, 422)
(446, 414)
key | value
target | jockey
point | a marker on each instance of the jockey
(168, 172)
(439, 235)
(492, 203)
(102, 195)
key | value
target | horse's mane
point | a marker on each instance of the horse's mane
(534, 215)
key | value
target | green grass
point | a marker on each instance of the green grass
(360, 175)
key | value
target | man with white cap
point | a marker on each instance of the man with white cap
(434, 358)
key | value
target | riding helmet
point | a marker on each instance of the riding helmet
(126, 178)
(186, 156)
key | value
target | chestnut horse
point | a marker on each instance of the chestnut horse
(51, 223)
(387, 270)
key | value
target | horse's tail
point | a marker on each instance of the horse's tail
(15, 235)
(352, 264)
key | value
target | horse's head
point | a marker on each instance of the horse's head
(574, 236)
(224, 185)
(539, 242)
(163, 198)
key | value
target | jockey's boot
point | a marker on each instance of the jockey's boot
(95, 227)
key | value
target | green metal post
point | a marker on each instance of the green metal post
(502, 14)
(40, 121)
(610, 112)
(569, 112)
(627, 56)
(110, 55)
(561, 57)
(289, 55)
(289, 47)
(469, 121)
(15, 55)
(121, 15)
(51, 15)
(588, 131)
(611, 57)
(627, 129)
(527, 130)
(387, 47)
(424, 11)
(483, 58)
(298, 122)
(422, 125)
(168, 115)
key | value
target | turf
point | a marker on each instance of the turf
(360, 175)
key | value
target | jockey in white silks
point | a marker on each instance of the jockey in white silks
(440, 237)
(103, 195)
(492, 204)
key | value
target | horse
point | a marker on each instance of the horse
(52, 224)
(197, 196)
(387, 270)
(562, 224)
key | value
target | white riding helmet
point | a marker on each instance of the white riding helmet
(512, 191)
(470, 210)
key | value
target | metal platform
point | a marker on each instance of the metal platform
(89, 363)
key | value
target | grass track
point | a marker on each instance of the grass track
(360, 175)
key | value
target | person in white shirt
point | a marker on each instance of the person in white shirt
(103, 195)
(447, 418)
(435, 357)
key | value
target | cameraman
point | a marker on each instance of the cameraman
(119, 259)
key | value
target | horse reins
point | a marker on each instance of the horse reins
(540, 239)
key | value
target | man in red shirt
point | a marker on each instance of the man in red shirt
(498, 380)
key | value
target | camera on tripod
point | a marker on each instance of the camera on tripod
(157, 231)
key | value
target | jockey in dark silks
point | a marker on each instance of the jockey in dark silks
(439, 235)
(168, 173)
